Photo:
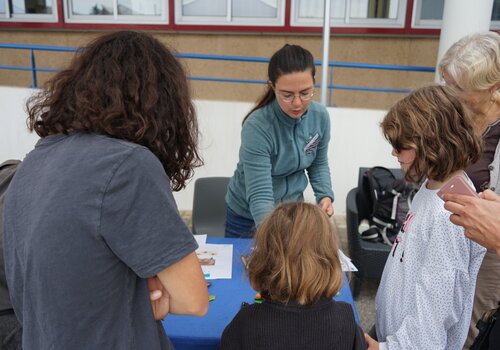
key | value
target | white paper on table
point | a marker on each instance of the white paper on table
(216, 260)
(346, 263)
(200, 239)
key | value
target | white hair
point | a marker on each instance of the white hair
(473, 61)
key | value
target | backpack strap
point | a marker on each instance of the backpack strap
(7, 170)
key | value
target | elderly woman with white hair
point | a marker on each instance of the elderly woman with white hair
(472, 67)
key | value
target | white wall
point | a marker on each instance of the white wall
(356, 141)
(15, 140)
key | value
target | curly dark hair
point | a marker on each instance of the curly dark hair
(129, 86)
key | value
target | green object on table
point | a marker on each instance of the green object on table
(211, 297)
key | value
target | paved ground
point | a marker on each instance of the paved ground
(366, 304)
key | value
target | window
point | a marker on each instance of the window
(116, 11)
(350, 13)
(230, 12)
(28, 10)
(495, 16)
(429, 14)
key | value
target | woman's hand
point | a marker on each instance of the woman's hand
(372, 343)
(326, 205)
(479, 216)
(160, 300)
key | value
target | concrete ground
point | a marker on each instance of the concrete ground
(365, 305)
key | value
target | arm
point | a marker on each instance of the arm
(373, 344)
(256, 146)
(319, 170)
(141, 225)
(479, 216)
(186, 287)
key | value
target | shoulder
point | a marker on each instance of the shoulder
(260, 124)
(343, 309)
(261, 117)
(434, 226)
(119, 162)
(319, 109)
(429, 211)
(249, 314)
(318, 114)
(106, 148)
(129, 155)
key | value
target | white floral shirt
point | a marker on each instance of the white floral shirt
(425, 297)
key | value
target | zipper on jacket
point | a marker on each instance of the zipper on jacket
(296, 147)
(298, 162)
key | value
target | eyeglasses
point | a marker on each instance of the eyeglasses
(289, 97)
(398, 148)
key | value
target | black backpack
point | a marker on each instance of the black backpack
(390, 200)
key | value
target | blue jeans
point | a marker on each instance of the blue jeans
(238, 226)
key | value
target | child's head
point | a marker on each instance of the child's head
(437, 128)
(295, 256)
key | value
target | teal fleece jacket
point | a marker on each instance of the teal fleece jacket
(275, 150)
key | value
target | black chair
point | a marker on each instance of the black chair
(209, 206)
(368, 257)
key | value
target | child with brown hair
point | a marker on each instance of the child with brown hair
(296, 268)
(424, 300)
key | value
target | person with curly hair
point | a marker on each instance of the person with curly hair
(425, 296)
(90, 220)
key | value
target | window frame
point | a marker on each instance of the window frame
(418, 23)
(423, 23)
(10, 16)
(278, 21)
(348, 22)
(115, 18)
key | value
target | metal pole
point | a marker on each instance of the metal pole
(326, 47)
(33, 69)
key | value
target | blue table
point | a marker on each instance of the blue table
(190, 332)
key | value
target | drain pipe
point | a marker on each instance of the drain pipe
(326, 49)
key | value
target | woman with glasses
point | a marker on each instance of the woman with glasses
(283, 136)
(471, 67)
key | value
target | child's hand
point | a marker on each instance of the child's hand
(372, 343)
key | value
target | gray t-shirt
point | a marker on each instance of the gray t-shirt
(87, 219)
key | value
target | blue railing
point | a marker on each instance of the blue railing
(34, 69)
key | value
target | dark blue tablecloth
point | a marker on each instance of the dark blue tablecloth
(189, 332)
